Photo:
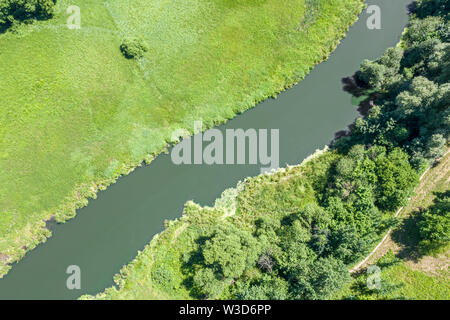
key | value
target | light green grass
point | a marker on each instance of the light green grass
(405, 283)
(75, 114)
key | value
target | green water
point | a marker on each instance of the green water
(107, 233)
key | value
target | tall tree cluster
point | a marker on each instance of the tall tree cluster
(412, 89)
(15, 11)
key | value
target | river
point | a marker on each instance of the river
(108, 232)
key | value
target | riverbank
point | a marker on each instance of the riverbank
(62, 144)
(168, 266)
(157, 272)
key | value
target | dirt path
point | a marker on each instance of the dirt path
(423, 193)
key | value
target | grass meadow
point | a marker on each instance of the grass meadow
(75, 114)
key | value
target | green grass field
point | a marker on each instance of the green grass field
(75, 114)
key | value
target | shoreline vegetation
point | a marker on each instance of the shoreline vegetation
(296, 232)
(38, 128)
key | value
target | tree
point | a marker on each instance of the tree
(435, 146)
(133, 48)
(345, 244)
(265, 262)
(434, 225)
(372, 73)
(207, 284)
(396, 180)
(391, 60)
(322, 278)
(426, 8)
(230, 251)
(266, 288)
(421, 30)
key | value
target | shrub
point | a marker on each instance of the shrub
(133, 48)
(163, 276)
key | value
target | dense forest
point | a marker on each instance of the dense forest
(13, 12)
(296, 233)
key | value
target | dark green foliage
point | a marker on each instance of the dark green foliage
(365, 182)
(372, 73)
(324, 277)
(230, 251)
(346, 245)
(421, 30)
(133, 48)
(13, 11)
(434, 225)
(396, 180)
(426, 8)
(377, 73)
(206, 282)
(412, 102)
(266, 288)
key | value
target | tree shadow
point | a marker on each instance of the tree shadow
(189, 264)
(359, 91)
(354, 85)
(407, 237)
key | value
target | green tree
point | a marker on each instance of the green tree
(396, 180)
(266, 288)
(322, 278)
(133, 48)
(230, 251)
(372, 73)
(434, 225)
(207, 284)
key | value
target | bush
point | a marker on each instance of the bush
(133, 48)
(163, 276)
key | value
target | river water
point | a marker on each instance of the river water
(107, 233)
